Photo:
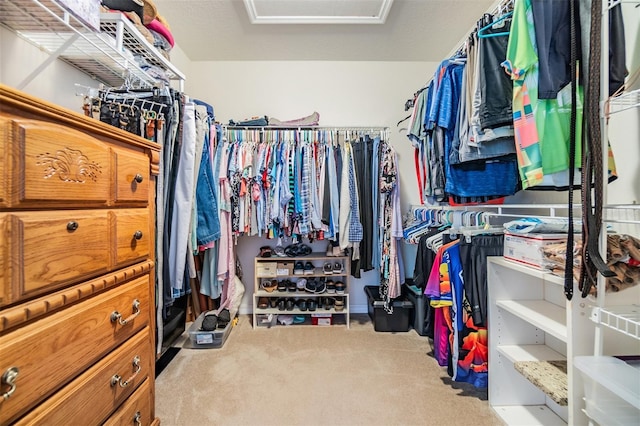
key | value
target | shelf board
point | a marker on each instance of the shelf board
(624, 101)
(528, 415)
(312, 256)
(548, 376)
(517, 353)
(545, 315)
(527, 270)
(297, 311)
(296, 294)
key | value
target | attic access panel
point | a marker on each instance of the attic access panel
(318, 11)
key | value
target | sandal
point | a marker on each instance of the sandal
(263, 303)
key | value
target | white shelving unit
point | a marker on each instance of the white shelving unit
(532, 322)
(109, 55)
(318, 260)
(611, 386)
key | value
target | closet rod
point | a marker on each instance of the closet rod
(329, 128)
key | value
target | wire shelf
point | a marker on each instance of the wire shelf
(624, 101)
(624, 319)
(114, 55)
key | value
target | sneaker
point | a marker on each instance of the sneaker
(301, 284)
(310, 286)
(340, 287)
(311, 304)
(331, 287)
(337, 268)
(282, 285)
(327, 268)
(339, 304)
(279, 251)
(298, 268)
(291, 286)
(321, 287)
(309, 269)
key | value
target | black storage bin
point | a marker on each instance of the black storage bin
(420, 305)
(383, 321)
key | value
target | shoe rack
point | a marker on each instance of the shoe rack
(279, 289)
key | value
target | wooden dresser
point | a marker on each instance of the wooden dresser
(77, 302)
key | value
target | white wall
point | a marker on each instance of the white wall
(343, 93)
(56, 83)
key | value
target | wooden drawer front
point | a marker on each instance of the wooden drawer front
(4, 161)
(57, 164)
(55, 249)
(136, 411)
(132, 235)
(52, 351)
(5, 284)
(132, 176)
(91, 397)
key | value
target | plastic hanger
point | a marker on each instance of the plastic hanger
(482, 32)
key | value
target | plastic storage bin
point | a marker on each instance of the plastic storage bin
(611, 389)
(206, 339)
(383, 321)
(419, 311)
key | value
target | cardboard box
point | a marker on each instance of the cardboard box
(284, 268)
(321, 319)
(266, 269)
(527, 248)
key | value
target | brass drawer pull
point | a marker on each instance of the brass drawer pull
(117, 316)
(9, 378)
(117, 379)
(138, 235)
(137, 419)
(138, 178)
(72, 225)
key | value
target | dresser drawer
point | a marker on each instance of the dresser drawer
(51, 250)
(136, 411)
(54, 164)
(52, 351)
(133, 235)
(95, 394)
(132, 176)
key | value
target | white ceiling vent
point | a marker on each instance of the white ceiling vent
(318, 11)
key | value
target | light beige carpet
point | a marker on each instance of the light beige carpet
(316, 376)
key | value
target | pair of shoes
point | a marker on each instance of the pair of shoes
(316, 286)
(340, 287)
(332, 268)
(263, 303)
(266, 251)
(279, 251)
(297, 249)
(298, 268)
(291, 286)
(282, 285)
(326, 302)
(213, 319)
(333, 249)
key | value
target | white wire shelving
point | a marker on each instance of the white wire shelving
(114, 56)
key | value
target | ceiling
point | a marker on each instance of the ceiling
(414, 30)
